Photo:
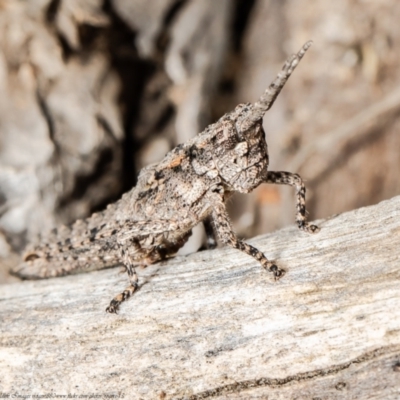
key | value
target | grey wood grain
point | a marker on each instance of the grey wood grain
(214, 324)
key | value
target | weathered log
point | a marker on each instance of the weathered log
(214, 324)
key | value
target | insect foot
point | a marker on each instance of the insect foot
(278, 272)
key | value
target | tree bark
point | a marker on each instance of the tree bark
(215, 325)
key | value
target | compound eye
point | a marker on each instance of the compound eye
(239, 136)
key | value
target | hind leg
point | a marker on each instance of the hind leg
(128, 292)
(127, 255)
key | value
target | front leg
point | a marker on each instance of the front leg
(287, 178)
(225, 232)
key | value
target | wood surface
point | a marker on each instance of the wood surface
(215, 325)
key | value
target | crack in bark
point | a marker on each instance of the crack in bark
(240, 386)
(44, 109)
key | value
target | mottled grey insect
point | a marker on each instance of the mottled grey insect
(191, 184)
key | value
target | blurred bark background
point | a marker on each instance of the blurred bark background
(93, 90)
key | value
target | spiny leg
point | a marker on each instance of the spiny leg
(287, 178)
(225, 232)
(128, 292)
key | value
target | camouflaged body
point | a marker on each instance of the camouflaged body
(154, 219)
(190, 185)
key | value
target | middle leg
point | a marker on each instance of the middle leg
(225, 232)
(210, 236)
